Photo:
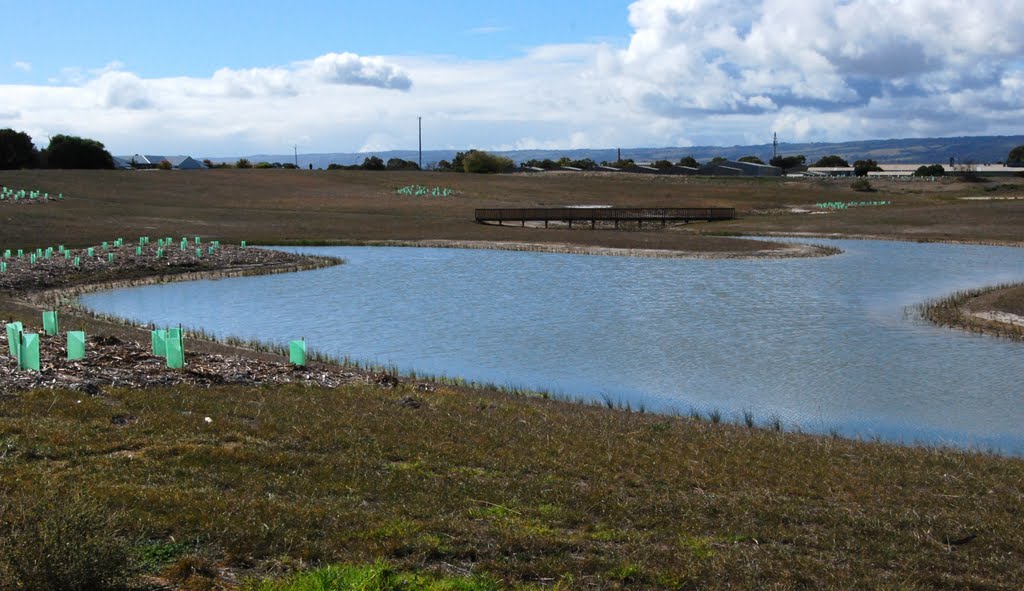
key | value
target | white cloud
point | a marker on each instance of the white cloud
(693, 72)
(487, 30)
(23, 66)
(349, 68)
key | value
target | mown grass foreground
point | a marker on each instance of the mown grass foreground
(523, 491)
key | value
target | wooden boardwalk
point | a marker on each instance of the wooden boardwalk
(604, 214)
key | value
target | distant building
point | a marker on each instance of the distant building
(830, 171)
(150, 161)
(738, 168)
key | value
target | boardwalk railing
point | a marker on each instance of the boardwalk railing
(604, 214)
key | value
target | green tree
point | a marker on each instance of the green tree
(399, 164)
(373, 163)
(752, 159)
(689, 162)
(662, 164)
(68, 151)
(930, 170)
(786, 162)
(459, 162)
(264, 165)
(16, 150)
(718, 160)
(585, 164)
(863, 167)
(546, 164)
(243, 163)
(165, 165)
(1015, 157)
(832, 161)
(478, 161)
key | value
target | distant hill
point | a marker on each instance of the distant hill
(976, 149)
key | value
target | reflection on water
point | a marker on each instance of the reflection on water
(824, 344)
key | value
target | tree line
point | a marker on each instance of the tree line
(64, 151)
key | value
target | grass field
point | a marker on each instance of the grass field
(433, 486)
(525, 491)
(276, 206)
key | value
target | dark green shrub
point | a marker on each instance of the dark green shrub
(862, 185)
(478, 161)
(60, 541)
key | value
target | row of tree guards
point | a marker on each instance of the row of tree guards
(424, 191)
(15, 195)
(93, 252)
(849, 204)
(24, 346)
(168, 343)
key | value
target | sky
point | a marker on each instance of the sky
(217, 78)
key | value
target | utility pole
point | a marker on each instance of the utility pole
(420, 120)
(775, 145)
(296, 147)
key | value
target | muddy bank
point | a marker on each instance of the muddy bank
(119, 356)
(996, 310)
(113, 361)
(775, 252)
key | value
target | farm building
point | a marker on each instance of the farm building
(149, 161)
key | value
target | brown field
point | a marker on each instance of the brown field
(277, 206)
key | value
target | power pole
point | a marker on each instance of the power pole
(775, 145)
(296, 147)
(420, 120)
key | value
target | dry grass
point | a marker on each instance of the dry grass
(961, 309)
(521, 489)
(278, 206)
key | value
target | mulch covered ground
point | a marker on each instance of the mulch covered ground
(115, 362)
(120, 361)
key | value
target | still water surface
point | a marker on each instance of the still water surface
(824, 344)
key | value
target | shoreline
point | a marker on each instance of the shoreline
(789, 251)
(973, 311)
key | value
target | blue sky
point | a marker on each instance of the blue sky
(193, 38)
(221, 79)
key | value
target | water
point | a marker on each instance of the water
(825, 344)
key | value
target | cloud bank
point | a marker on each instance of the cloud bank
(693, 72)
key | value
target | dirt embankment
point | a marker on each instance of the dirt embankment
(995, 310)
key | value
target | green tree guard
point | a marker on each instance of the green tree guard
(159, 338)
(14, 330)
(297, 352)
(50, 326)
(76, 345)
(28, 357)
(175, 349)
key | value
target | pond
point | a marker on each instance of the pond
(825, 345)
